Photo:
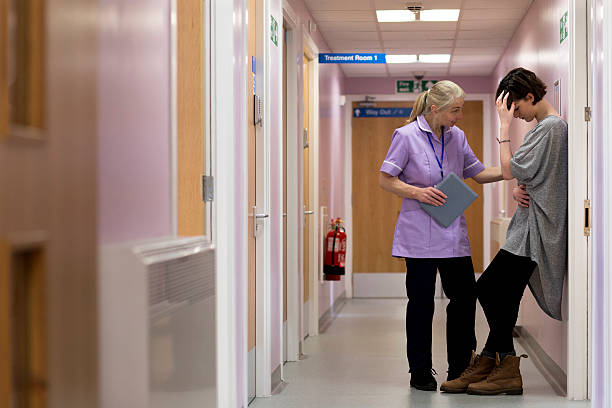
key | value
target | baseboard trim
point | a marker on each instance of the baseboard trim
(328, 317)
(276, 381)
(546, 365)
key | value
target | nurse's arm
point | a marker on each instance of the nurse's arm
(489, 175)
(396, 186)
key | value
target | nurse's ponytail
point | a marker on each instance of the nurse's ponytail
(419, 106)
(442, 94)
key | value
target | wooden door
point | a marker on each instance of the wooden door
(252, 195)
(471, 124)
(23, 331)
(375, 212)
(190, 111)
(306, 190)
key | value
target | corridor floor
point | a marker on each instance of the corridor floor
(359, 361)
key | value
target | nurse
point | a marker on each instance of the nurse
(422, 153)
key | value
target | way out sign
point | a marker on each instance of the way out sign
(381, 112)
(410, 86)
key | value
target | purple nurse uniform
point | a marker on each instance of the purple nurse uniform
(412, 159)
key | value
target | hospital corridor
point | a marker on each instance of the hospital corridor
(305, 203)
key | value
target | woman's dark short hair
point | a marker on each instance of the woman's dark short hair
(519, 82)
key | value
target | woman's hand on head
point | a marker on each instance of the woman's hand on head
(521, 196)
(505, 115)
(430, 195)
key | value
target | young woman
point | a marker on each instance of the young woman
(535, 252)
(422, 152)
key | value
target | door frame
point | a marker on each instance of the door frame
(294, 209)
(579, 263)
(313, 311)
(229, 156)
(488, 189)
(601, 342)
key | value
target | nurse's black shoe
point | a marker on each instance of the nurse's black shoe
(423, 379)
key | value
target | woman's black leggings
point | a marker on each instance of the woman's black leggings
(500, 289)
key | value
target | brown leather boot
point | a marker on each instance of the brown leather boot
(479, 368)
(504, 379)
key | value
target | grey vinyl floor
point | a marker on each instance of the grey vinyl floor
(359, 361)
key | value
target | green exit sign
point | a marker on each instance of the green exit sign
(411, 86)
(563, 28)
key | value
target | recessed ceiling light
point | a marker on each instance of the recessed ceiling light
(402, 16)
(440, 15)
(434, 58)
(401, 59)
(394, 16)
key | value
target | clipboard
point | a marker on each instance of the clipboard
(459, 197)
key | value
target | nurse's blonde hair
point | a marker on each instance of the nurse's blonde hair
(442, 94)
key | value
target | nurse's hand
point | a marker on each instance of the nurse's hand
(430, 195)
(521, 196)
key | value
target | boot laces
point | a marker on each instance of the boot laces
(471, 367)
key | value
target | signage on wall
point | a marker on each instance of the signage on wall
(411, 86)
(274, 30)
(352, 58)
(563, 28)
(381, 112)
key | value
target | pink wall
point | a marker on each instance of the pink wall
(535, 46)
(134, 120)
(386, 86)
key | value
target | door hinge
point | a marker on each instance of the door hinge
(208, 188)
(587, 218)
(587, 113)
(306, 144)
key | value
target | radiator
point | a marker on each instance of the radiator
(158, 329)
(499, 226)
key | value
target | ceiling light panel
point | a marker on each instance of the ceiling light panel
(419, 26)
(394, 16)
(434, 58)
(401, 59)
(440, 15)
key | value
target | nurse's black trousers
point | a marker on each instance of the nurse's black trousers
(459, 285)
(500, 289)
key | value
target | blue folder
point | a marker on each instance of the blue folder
(459, 197)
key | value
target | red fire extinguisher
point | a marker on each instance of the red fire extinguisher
(335, 251)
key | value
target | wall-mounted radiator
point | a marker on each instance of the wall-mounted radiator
(157, 326)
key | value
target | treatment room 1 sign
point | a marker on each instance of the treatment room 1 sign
(352, 58)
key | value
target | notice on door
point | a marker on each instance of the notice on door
(382, 112)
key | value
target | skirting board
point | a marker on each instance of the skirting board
(547, 366)
(328, 317)
(384, 285)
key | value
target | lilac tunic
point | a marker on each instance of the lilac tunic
(411, 158)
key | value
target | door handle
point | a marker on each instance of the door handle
(255, 218)
(308, 212)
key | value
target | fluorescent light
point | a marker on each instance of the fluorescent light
(402, 16)
(434, 58)
(440, 15)
(401, 59)
(394, 16)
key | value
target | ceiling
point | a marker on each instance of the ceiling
(475, 42)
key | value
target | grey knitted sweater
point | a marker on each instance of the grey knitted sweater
(540, 231)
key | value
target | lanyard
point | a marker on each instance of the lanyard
(441, 160)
